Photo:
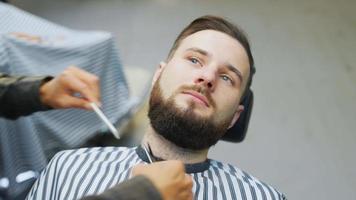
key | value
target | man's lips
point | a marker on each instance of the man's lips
(197, 95)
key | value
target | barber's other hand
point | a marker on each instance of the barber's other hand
(169, 177)
(58, 92)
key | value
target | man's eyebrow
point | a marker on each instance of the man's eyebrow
(235, 71)
(201, 51)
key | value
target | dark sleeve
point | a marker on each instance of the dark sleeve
(138, 187)
(19, 95)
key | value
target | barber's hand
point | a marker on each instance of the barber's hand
(169, 177)
(58, 92)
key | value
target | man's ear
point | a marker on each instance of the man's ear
(238, 112)
(158, 72)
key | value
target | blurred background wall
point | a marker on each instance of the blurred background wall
(302, 135)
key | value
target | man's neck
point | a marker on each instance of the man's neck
(166, 150)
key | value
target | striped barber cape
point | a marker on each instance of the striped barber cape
(26, 144)
(73, 174)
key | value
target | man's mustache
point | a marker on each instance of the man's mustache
(201, 89)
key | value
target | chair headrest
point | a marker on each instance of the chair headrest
(238, 132)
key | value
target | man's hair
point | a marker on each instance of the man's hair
(210, 22)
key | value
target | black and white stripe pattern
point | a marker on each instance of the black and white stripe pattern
(73, 174)
(27, 143)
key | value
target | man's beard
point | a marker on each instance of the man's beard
(183, 127)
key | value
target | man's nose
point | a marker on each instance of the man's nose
(207, 78)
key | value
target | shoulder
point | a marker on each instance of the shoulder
(95, 154)
(72, 170)
(91, 151)
(245, 180)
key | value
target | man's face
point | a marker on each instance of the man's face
(202, 83)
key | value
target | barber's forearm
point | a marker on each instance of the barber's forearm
(138, 187)
(19, 95)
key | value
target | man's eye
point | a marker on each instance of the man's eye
(194, 60)
(226, 78)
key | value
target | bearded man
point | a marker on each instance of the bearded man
(196, 98)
